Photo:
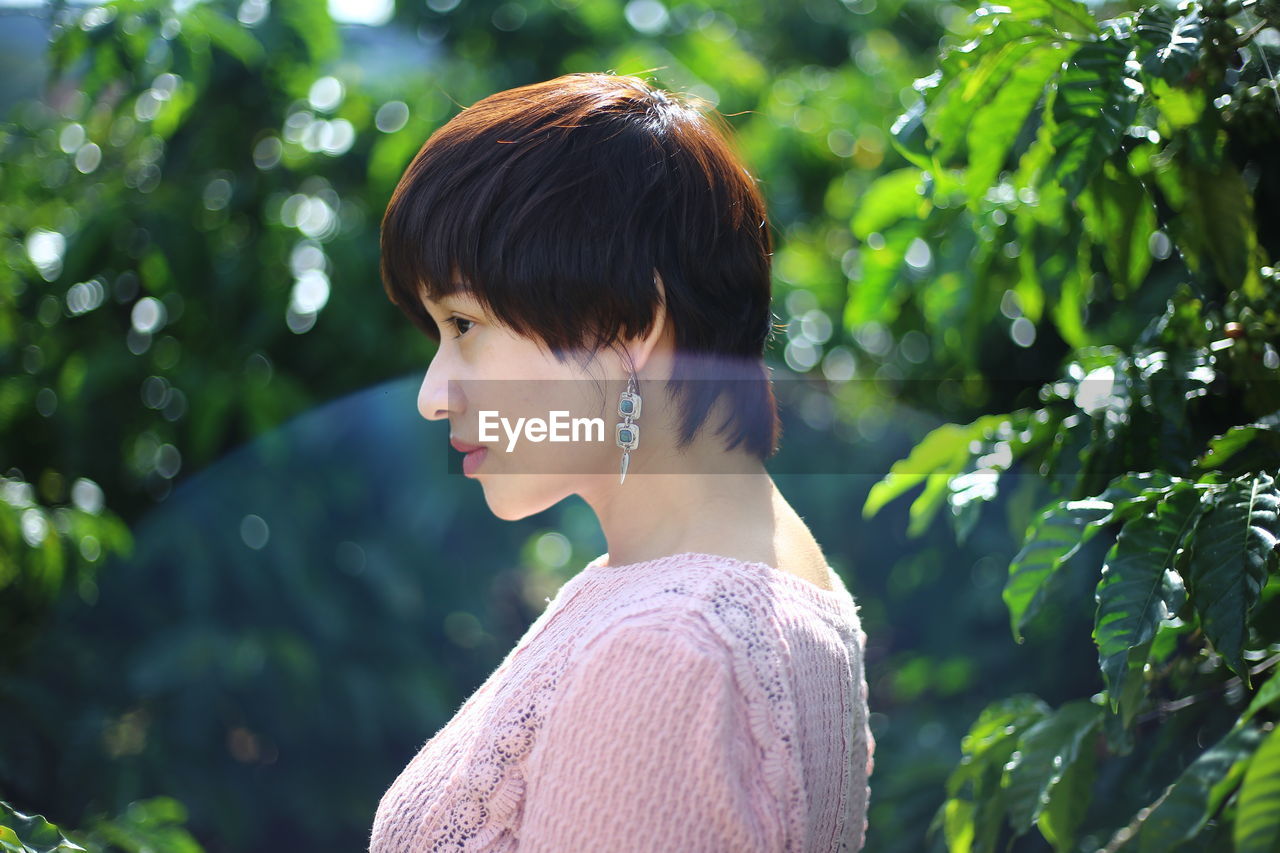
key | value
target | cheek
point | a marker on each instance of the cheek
(508, 356)
(534, 382)
(524, 381)
(506, 375)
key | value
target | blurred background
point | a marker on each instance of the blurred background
(235, 574)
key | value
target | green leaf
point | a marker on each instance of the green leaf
(1119, 216)
(871, 294)
(1249, 446)
(975, 782)
(918, 132)
(1045, 751)
(1060, 820)
(890, 198)
(226, 34)
(1093, 104)
(1127, 698)
(1139, 587)
(311, 21)
(993, 735)
(1067, 16)
(1186, 805)
(1257, 828)
(1052, 539)
(940, 454)
(1162, 385)
(1165, 643)
(1214, 228)
(948, 119)
(989, 456)
(1229, 562)
(1179, 107)
(1265, 697)
(958, 825)
(909, 135)
(1132, 494)
(1168, 47)
(926, 505)
(996, 125)
(31, 833)
(967, 493)
(1053, 261)
(1073, 285)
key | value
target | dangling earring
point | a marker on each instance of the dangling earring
(627, 432)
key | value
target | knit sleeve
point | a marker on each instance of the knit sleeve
(647, 747)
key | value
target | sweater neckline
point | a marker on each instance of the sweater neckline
(834, 600)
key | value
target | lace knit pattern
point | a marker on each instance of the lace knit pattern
(795, 656)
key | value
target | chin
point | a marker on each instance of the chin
(510, 499)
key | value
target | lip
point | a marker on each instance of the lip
(463, 446)
(474, 460)
(475, 454)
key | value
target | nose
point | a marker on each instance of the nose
(433, 395)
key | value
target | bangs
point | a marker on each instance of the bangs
(555, 216)
(419, 262)
(517, 258)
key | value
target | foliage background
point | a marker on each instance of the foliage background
(232, 571)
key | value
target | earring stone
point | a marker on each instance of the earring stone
(627, 433)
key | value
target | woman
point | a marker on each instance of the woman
(591, 245)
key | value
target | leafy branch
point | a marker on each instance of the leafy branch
(1112, 155)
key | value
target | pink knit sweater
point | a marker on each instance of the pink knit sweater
(693, 702)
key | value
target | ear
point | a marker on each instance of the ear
(642, 349)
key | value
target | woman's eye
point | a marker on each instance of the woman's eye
(456, 320)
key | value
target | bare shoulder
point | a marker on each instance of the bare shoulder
(805, 565)
(800, 554)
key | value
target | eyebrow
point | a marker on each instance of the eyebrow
(458, 298)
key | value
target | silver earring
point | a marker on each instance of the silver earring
(627, 432)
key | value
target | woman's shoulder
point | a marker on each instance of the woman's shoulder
(742, 607)
(720, 587)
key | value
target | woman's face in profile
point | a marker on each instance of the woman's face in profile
(485, 378)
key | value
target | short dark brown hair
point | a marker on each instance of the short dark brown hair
(553, 204)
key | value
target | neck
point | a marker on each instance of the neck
(653, 515)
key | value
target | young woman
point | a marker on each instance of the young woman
(591, 245)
